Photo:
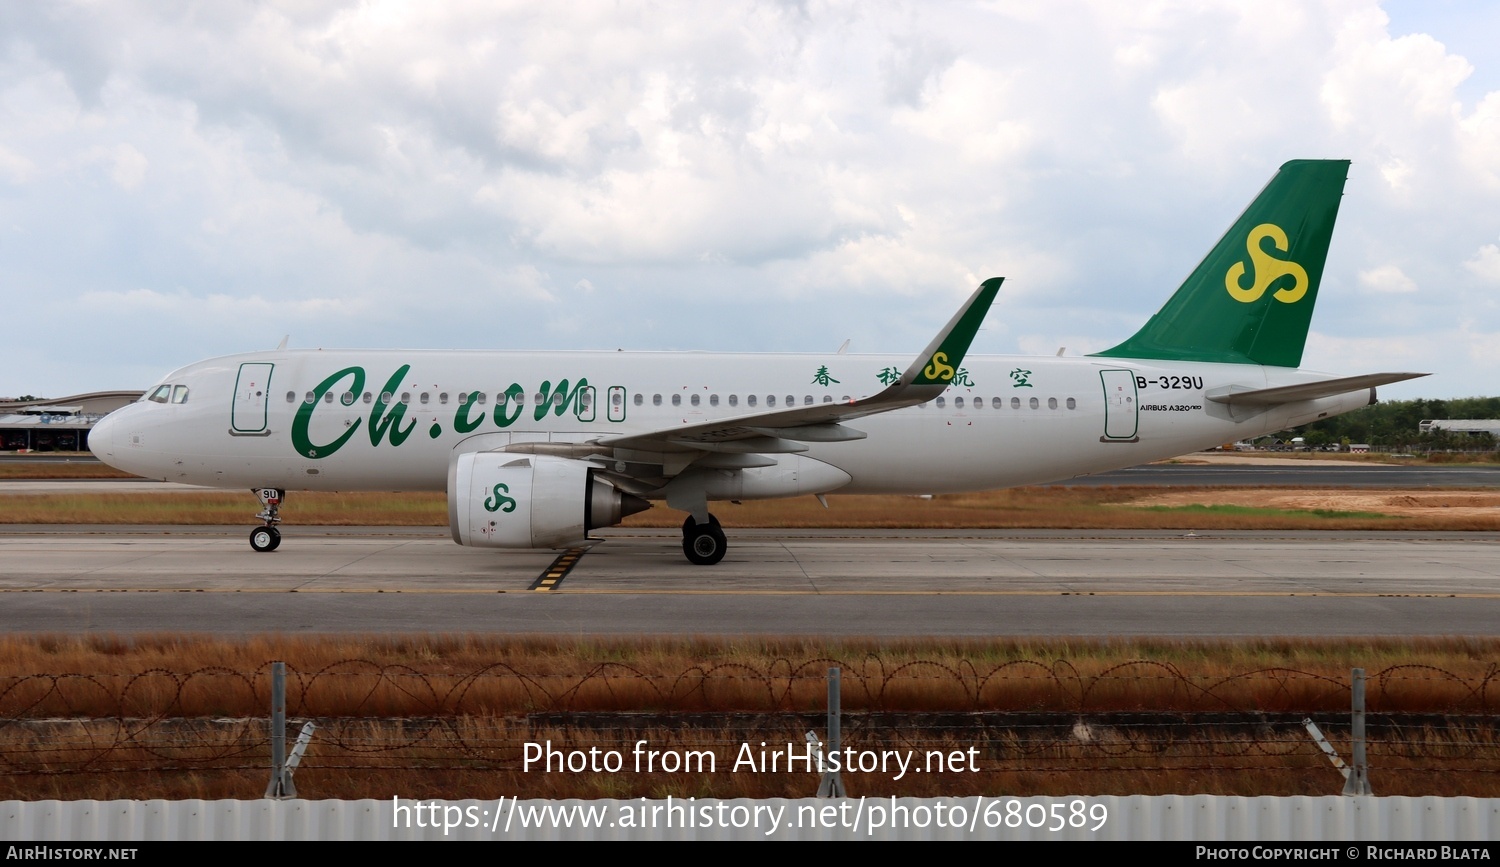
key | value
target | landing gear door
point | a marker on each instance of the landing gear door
(1121, 407)
(252, 392)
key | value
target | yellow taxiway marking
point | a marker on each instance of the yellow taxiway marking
(554, 574)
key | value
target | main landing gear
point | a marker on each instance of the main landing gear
(704, 544)
(268, 538)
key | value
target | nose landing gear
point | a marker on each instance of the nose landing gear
(268, 538)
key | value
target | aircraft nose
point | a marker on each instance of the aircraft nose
(101, 436)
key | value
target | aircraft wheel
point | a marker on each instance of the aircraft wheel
(704, 545)
(265, 538)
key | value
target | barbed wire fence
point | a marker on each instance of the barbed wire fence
(1009, 724)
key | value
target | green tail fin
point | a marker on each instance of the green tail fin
(1251, 299)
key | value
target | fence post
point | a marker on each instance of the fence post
(281, 786)
(1358, 781)
(832, 785)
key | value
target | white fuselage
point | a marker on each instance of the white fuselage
(320, 420)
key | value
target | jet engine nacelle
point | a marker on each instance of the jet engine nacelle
(507, 500)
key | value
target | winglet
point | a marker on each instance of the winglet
(940, 360)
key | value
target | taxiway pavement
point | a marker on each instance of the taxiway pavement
(822, 582)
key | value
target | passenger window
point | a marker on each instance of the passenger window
(997, 403)
(443, 398)
(807, 400)
(310, 398)
(734, 400)
(1052, 403)
(1035, 403)
(677, 400)
(368, 397)
(750, 400)
(958, 403)
(499, 398)
(539, 400)
(1072, 404)
(1015, 403)
(347, 398)
(291, 397)
(713, 400)
(828, 398)
(942, 402)
(405, 397)
(791, 400)
(770, 400)
(385, 397)
(423, 398)
(640, 399)
(694, 400)
(328, 397)
(615, 398)
(656, 400)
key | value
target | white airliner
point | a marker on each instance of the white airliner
(535, 449)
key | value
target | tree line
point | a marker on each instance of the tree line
(1394, 426)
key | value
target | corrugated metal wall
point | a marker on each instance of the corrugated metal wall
(1137, 817)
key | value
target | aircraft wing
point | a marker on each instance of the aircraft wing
(786, 430)
(1237, 395)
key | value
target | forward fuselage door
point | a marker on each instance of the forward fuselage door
(252, 393)
(1121, 406)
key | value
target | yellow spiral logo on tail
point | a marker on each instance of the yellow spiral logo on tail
(1268, 269)
(939, 368)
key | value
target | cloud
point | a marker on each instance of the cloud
(1485, 264)
(185, 307)
(1387, 280)
(127, 166)
(15, 167)
(729, 175)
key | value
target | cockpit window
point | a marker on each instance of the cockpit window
(179, 394)
(162, 394)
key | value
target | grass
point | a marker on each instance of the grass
(1021, 508)
(42, 470)
(444, 716)
(1253, 511)
(482, 757)
(157, 676)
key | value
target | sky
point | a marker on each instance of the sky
(183, 180)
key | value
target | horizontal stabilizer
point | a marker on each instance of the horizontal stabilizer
(1240, 395)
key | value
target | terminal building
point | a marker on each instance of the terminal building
(1470, 426)
(57, 425)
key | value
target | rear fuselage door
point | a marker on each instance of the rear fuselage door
(1121, 407)
(252, 392)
